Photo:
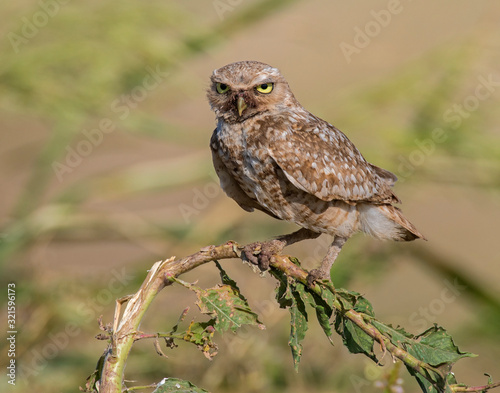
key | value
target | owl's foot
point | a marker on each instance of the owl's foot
(261, 253)
(317, 275)
(323, 273)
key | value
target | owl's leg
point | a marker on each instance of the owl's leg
(260, 253)
(323, 273)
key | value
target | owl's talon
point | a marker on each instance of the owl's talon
(316, 275)
(248, 254)
(261, 253)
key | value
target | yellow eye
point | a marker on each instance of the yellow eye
(265, 88)
(222, 88)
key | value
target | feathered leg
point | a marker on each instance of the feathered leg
(323, 273)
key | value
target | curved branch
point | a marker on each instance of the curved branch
(162, 274)
(126, 328)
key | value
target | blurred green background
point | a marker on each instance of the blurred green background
(105, 169)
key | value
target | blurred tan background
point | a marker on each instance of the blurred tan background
(105, 169)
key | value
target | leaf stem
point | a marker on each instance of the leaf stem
(484, 388)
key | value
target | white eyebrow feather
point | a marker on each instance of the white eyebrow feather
(262, 79)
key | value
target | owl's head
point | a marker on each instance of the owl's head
(245, 89)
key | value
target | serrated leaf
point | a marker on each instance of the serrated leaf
(432, 384)
(354, 300)
(357, 341)
(227, 306)
(364, 306)
(346, 299)
(228, 280)
(353, 337)
(170, 385)
(298, 322)
(283, 295)
(424, 384)
(91, 384)
(436, 347)
(201, 334)
(292, 295)
(397, 335)
(328, 297)
(324, 312)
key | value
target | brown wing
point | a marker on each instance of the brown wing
(230, 186)
(321, 160)
(389, 177)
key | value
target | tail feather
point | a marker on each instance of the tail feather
(387, 222)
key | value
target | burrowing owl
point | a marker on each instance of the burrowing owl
(273, 155)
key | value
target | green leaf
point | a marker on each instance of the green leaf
(364, 306)
(298, 322)
(425, 385)
(354, 300)
(355, 339)
(292, 295)
(227, 306)
(91, 384)
(451, 379)
(224, 303)
(228, 280)
(176, 385)
(283, 295)
(436, 347)
(324, 312)
(347, 299)
(397, 335)
(432, 384)
(201, 334)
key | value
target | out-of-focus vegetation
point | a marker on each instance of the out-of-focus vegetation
(79, 230)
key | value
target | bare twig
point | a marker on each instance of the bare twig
(480, 389)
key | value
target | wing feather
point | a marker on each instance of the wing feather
(319, 159)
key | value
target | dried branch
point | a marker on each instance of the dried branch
(127, 327)
(163, 273)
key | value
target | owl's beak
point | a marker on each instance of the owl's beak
(242, 105)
